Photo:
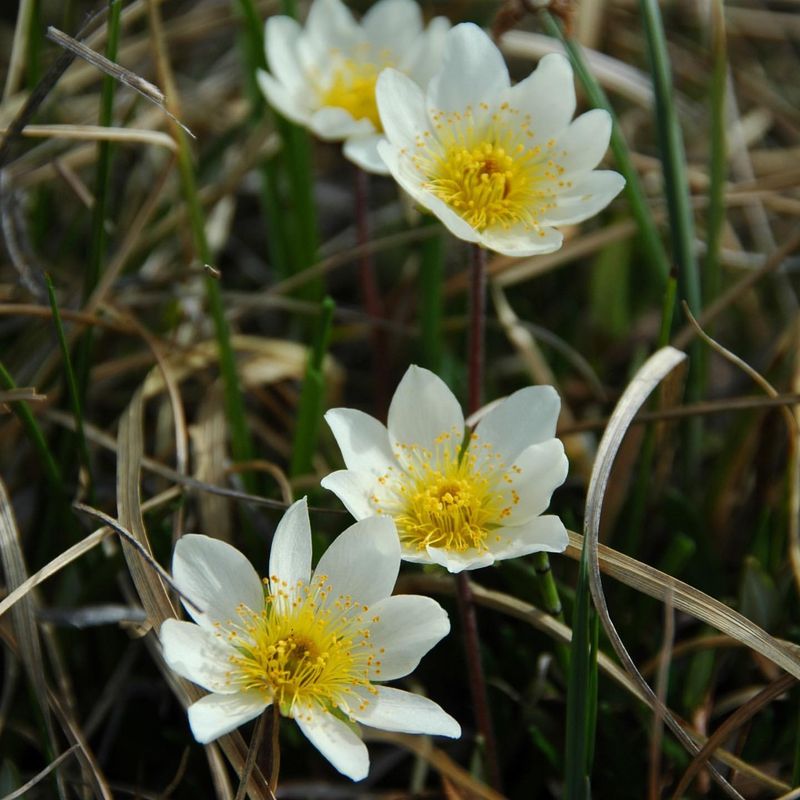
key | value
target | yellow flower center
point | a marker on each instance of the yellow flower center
(486, 169)
(443, 501)
(353, 85)
(300, 649)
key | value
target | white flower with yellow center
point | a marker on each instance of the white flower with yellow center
(316, 644)
(463, 499)
(500, 165)
(323, 76)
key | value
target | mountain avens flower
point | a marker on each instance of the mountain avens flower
(317, 644)
(323, 76)
(463, 499)
(500, 165)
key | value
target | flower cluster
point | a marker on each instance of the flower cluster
(500, 165)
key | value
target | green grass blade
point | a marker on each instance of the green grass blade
(97, 243)
(294, 237)
(673, 157)
(241, 444)
(312, 396)
(581, 691)
(657, 257)
(431, 276)
(715, 220)
(34, 433)
(72, 387)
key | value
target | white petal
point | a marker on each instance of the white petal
(280, 36)
(290, 556)
(401, 105)
(423, 409)
(363, 561)
(333, 124)
(472, 71)
(520, 240)
(196, 654)
(526, 417)
(336, 741)
(396, 710)
(363, 440)
(590, 193)
(538, 471)
(392, 25)
(363, 152)
(354, 489)
(408, 627)
(282, 100)
(423, 58)
(216, 577)
(455, 562)
(585, 142)
(542, 534)
(331, 25)
(217, 714)
(548, 95)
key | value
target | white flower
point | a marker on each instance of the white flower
(500, 165)
(460, 499)
(314, 643)
(323, 76)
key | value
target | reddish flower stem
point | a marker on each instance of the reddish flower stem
(466, 605)
(477, 327)
(370, 296)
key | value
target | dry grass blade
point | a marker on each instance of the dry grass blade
(55, 764)
(130, 449)
(654, 583)
(24, 616)
(734, 721)
(75, 552)
(27, 394)
(793, 430)
(423, 748)
(652, 372)
(151, 590)
(124, 76)
(96, 133)
(529, 614)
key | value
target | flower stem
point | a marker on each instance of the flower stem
(431, 276)
(370, 295)
(477, 680)
(466, 606)
(477, 327)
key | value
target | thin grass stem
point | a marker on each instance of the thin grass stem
(312, 396)
(72, 388)
(34, 433)
(580, 713)
(715, 217)
(431, 298)
(657, 257)
(370, 294)
(241, 444)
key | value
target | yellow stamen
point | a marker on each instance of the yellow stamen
(485, 169)
(303, 648)
(353, 85)
(445, 502)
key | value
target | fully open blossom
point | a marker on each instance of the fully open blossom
(323, 76)
(314, 643)
(500, 165)
(458, 498)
